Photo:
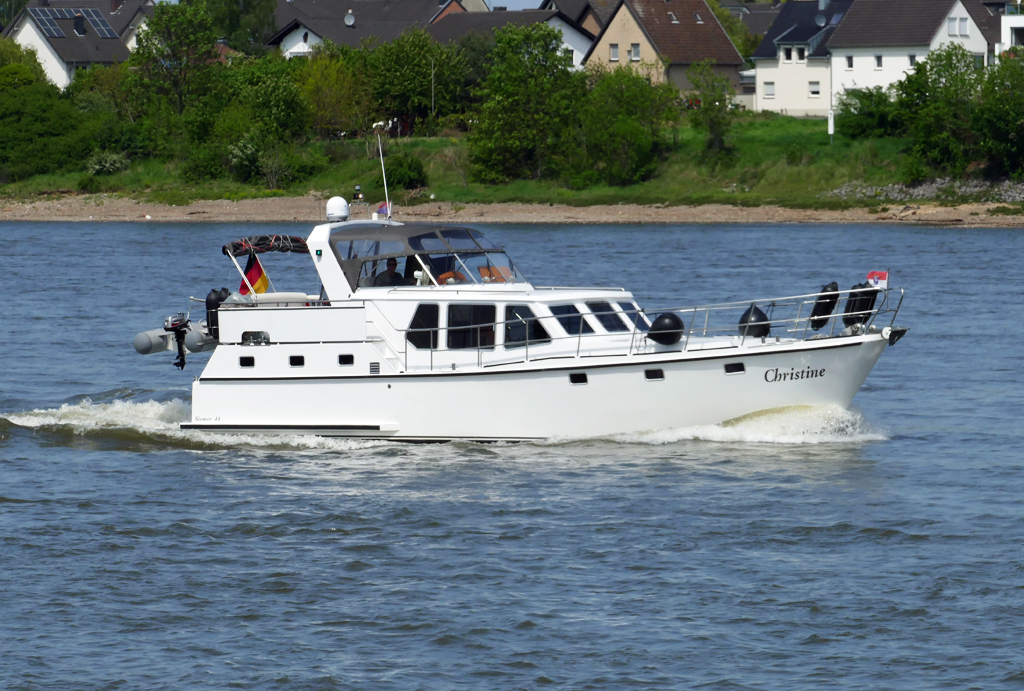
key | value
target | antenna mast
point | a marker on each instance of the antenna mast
(387, 200)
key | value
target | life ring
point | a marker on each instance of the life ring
(443, 278)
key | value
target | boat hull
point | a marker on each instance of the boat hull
(544, 400)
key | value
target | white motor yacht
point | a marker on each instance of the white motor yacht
(426, 332)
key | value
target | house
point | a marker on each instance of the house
(575, 38)
(793, 66)
(68, 35)
(879, 41)
(305, 24)
(1011, 28)
(592, 15)
(666, 37)
(756, 16)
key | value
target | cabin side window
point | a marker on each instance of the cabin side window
(607, 317)
(470, 326)
(422, 331)
(522, 327)
(571, 320)
(631, 311)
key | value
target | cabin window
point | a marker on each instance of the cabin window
(422, 331)
(428, 242)
(522, 327)
(578, 378)
(470, 326)
(353, 249)
(814, 89)
(735, 368)
(607, 317)
(255, 338)
(345, 360)
(297, 361)
(387, 273)
(654, 375)
(247, 361)
(569, 317)
(631, 311)
(614, 52)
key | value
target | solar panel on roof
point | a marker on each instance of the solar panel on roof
(49, 27)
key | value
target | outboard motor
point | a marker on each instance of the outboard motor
(862, 299)
(667, 329)
(177, 324)
(824, 305)
(213, 300)
(754, 323)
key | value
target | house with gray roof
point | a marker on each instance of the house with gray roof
(592, 15)
(793, 63)
(68, 35)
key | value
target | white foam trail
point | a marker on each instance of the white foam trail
(161, 419)
(804, 426)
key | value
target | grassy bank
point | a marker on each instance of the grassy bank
(774, 160)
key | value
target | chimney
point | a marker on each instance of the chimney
(44, 3)
(80, 25)
(115, 5)
(822, 5)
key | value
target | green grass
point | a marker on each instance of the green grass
(1016, 210)
(773, 160)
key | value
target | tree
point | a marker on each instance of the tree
(935, 105)
(13, 54)
(711, 99)
(247, 24)
(175, 53)
(528, 106)
(415, 76)
(999, 118)
(622, 119)
(339, 92)
(866, 113)
(737, 31)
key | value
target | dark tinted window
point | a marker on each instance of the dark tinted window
(520, 325)
(422, 331)
(633, 316)
(471, 326)
(247, 361)
(459, 239)
(570, 319)
(427, 242)
(735, 368)
(607, 316)
(297, 360)
(654, 374)
(349, 359)
(578, 378)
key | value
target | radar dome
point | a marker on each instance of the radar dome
(337, 209)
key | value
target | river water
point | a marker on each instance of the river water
(874, 548)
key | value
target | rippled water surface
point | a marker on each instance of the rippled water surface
(874, 548)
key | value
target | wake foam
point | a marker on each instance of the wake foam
(158, 421)
(821, 425)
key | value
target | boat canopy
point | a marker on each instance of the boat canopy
(258, 244)
(376, 241)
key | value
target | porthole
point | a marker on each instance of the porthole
(297, 360)
(735, 368)
(346, 360)
(654, 374)
(578, 378)
(247, 361)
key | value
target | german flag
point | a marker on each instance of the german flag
(255, 275)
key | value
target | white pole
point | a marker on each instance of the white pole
(384, 175)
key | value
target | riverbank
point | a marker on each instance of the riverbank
(104, 208)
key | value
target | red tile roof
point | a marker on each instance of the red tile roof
(694, 35)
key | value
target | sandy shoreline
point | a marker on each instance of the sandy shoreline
(310, 210)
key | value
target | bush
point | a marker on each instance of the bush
(405, 171)
(106, 163)
(204, 162)
(866, 113)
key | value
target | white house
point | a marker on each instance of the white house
(68, 35)
(879, 41)
(793, 72)
(1011, 29)
(454, 26)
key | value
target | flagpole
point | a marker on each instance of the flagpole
(244, 278)
(384, 176)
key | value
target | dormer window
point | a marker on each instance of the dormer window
(697, 16)
(672, 17)
(801, 54)
(787, 54)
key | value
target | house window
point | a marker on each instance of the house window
(697, 17)
(814, 89)
(614, 56)
(787, 55)
(769, 89)
(672, 17)
(801, 54)
(913, 59)
(963, 27)
(849, 62)
(878, 62)
(634, 52)
(979, 61)
(305, 37)
(951, 26)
